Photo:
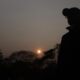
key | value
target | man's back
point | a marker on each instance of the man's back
(68, 60)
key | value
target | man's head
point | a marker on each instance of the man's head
(73, 15)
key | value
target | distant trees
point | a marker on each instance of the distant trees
(51, 54)
(1, 56)
(25, 56)
(56, 48)
(25, 65)
(49, 58)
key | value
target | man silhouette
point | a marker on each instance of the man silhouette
(70, 45)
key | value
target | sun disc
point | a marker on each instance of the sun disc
(39, 51)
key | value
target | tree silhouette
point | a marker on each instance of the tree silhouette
(1, 56)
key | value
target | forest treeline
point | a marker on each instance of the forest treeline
(23, 65)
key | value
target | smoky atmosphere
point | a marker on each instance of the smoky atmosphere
(32, 24)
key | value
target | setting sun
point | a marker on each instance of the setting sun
(39, 51)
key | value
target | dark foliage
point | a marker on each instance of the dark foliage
(17, 68)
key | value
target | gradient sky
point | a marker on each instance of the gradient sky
(32, 24)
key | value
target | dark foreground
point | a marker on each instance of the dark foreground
(27, 71)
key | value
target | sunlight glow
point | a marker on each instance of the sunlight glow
(39, 51)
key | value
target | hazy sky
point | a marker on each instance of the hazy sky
(32, 24)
